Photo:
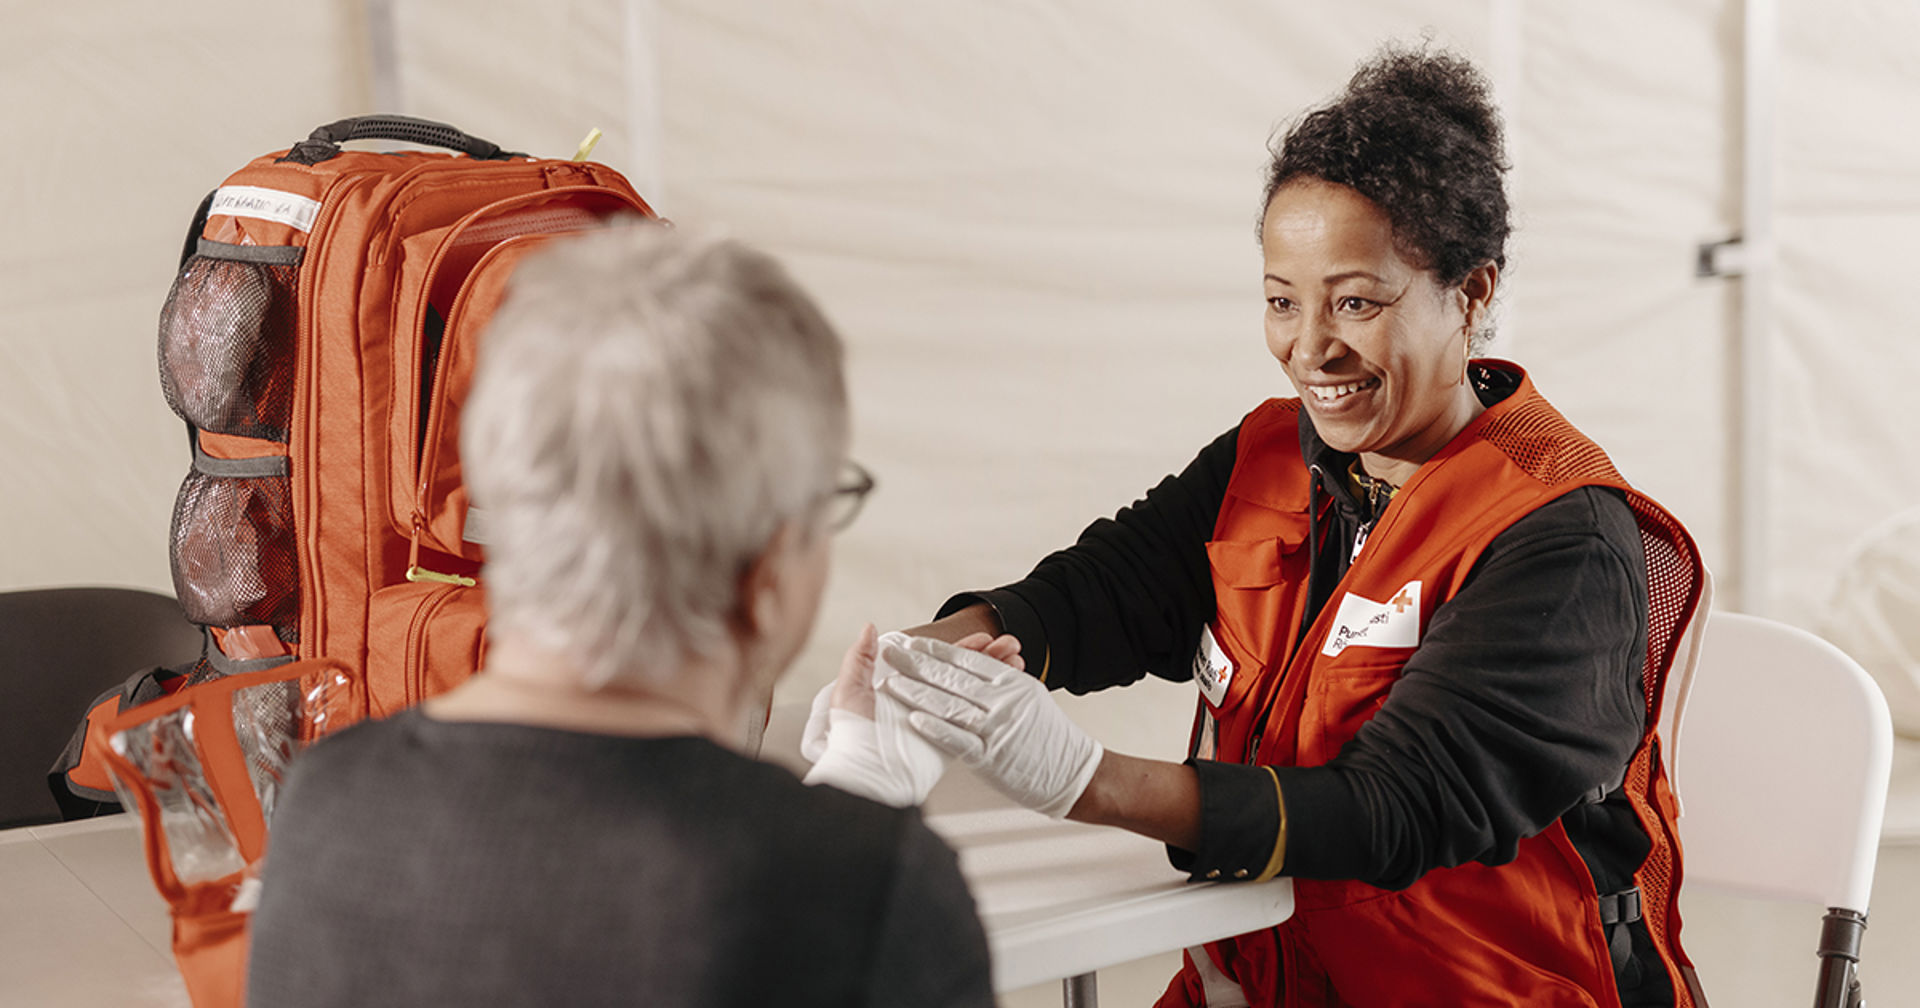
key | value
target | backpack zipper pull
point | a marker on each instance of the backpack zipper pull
(417, 573)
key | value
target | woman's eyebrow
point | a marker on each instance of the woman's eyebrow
(1334, 278)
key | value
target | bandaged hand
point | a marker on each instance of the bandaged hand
(858, 738)
(995, 718)
(851, 691)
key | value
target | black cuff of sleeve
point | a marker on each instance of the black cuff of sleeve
(1016, 617)
(1336, 846)
(1239, 824)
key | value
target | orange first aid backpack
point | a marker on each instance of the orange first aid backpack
(319, 341)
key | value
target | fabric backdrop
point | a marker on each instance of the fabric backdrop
(1033, 220)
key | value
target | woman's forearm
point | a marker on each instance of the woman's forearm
(976, 618)
(1150, 797)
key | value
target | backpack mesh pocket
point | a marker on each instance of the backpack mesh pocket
(226, 342)
(233, 552)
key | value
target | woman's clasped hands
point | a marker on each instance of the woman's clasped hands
(994, 718)
(857, 735)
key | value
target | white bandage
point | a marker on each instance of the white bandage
(883, 759)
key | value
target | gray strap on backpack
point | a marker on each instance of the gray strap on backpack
(258, 467)
(1617, 910)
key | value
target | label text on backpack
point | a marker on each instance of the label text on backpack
(291, 209)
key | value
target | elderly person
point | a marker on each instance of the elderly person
(1429, 621)
(659, 432)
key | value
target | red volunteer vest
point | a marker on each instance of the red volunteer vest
(1527, 932)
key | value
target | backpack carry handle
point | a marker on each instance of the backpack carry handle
(325, 142)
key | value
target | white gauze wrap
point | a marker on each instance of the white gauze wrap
(883, 759)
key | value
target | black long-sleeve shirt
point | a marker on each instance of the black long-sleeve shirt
(1521, 706)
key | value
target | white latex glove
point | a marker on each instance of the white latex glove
(994, 718)
(813, 738)
(878, 757)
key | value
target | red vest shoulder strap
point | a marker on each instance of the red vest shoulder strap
(1266, 465)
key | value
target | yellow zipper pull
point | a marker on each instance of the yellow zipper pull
(418, 574)
(587, 145)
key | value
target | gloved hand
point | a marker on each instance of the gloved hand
(858, 738)
(813, 738)
(994, 718)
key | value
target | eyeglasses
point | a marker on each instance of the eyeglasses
(850, 491)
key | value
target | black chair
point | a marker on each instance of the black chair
(60, 648)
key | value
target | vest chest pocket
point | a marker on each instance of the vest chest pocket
(1255, 583)
(1342, 695)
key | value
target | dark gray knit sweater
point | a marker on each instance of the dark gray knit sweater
(417, 862)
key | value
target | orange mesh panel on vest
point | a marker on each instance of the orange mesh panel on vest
(1657, 876)
(1672, 590)
(1544, 445)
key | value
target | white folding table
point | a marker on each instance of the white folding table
(1061, 900)
(81, 924)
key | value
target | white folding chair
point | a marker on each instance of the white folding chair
(1782, 754)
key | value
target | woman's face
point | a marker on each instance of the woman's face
(1374, 346)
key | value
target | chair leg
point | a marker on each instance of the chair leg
(1840, 931)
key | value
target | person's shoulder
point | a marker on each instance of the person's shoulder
(820, 803)
(358, 772)
(767, 788)
(829, 832)
(1586, 525)
(1591, 510)
(370, 740)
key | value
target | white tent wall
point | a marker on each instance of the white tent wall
(1624, 146)
(123, 115)
(1846, 346)
(1034, 222)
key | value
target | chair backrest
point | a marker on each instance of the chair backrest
(1786, 748)
(59, 649)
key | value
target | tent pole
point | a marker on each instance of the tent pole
(646, 130)
(383, 56)
(1506, 51)
(1753, 510)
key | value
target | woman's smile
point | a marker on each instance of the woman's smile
(1341, 394)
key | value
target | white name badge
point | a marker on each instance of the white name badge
(1212, 669)
(291, 209)
(1362, 622)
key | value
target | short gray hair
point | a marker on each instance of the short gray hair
(649, 408)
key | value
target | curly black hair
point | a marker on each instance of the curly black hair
(1417, 134)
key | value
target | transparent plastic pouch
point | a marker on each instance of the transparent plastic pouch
(220, 749)
(203, 769)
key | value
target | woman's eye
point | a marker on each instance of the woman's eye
(1279, 304)
(1354, 305)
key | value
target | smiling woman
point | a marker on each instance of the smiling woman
(1429, 622)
